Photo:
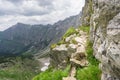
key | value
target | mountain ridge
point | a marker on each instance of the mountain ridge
(22, 37)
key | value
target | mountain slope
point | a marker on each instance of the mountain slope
(74, 49)
(23, 37)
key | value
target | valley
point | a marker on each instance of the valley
(24, 48)
(18, 68)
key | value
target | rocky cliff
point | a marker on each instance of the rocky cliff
(103, 16)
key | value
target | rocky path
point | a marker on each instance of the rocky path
(72, 74)
(73, 50)
(79, 56)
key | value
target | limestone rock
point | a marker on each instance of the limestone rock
(80, 49)
(105, 35)
(73, 46)
(61, 47)
(59, 59)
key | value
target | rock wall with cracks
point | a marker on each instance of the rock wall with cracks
(105, 35)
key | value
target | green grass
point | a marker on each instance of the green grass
(85, 28)
(52, 74)
(53, 46)
(15, 75)
(19, 69)
(89, 49)
(61, 42)
(69, 32)
(74, 41)
(92, 72)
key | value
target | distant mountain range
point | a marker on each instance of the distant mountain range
(23, 37)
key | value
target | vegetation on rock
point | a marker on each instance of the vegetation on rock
(69, 32)
(91, 72)
(88, 73)
(53, 46)
(85, 28)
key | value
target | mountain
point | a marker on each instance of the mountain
(23, 37)
(102, 48)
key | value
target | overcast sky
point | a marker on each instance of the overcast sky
(36, 11)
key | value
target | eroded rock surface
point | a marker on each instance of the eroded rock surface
(105, 34)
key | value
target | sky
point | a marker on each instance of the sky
(37, 11)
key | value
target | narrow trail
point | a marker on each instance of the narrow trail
(73, 71)
(72, 74)
(78, 57)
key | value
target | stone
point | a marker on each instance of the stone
(81, 63)
(79, 40)
(73, 46)
(80, 49)
(61, 47)
(59, 59)
(104, 21)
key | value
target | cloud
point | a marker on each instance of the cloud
(36, 11)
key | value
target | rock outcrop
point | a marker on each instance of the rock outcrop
(105, 35)
(86, 13)
(72, 51)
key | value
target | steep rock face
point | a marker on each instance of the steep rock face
(105, 34)
(86, 13)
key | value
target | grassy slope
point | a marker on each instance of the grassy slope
(53, 74)
(19, 69)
